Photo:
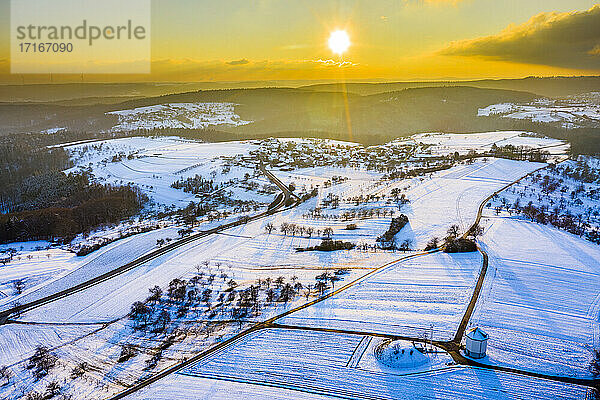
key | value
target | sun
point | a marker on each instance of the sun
(339, 42)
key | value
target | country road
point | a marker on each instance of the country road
(452, 347)
(284, 201)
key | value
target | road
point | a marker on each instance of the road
(269, 323)
(453, 346)
(475, 296)
(288, 199)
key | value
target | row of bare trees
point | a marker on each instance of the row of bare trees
(361, 213)
(305, 231)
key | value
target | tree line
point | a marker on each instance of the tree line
(59, 206)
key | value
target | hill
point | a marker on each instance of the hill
(352, 116)
(547, 87)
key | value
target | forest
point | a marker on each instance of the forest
(38, 201)
(51, 216)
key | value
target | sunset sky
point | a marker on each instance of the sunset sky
(236, 40)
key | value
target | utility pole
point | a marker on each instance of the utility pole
(431, 336)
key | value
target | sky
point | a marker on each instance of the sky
(242, 40)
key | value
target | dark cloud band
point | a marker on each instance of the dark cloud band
(568, 40)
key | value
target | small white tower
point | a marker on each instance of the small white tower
(476, 343)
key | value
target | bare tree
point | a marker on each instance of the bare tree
(270, 295)
(19, 285)
(307, 291)
(140, 313)
(53, 389)
(155, 293)
(406, 245)
(269, 227)
(79, 369)
(34, 396)
(333, 279)
(5, 375)
(453, 231)
(41, 362)
(321, 287)
(287, 293)
(164, 318)
(476, 230)
(127, 351)
(279, 282)
(432, 244)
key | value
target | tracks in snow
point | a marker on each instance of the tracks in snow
(283, 202)
(452, 347)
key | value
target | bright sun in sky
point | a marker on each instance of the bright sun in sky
(339, 42)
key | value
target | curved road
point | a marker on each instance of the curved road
(452, 347)
(284, 201)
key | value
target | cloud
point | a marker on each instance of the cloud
(243, 61)
(189, 69)
(568, 40)
(332, 63)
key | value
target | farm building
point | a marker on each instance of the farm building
(476, 343)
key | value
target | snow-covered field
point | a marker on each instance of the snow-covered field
(246, 252)
(19, 341)
(437, 200)
(31, 268)
(540, 302)
(453, 196)
(113, 298)
(449, 143)
(569, 112)
(79, 269)
(456, 194)
(413, 295)
(153, 164)
(99, 347)
(318, 365)
(569, 191)
(184, 387)
(178, 115)
(541, 299)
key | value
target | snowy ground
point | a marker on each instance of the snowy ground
(153, 164)
(81, 269)
(183, 387)
(569, 188)
(437, 200)
(245, 252)
(539, 302)
(100, 347)
(449, 143)
(453, 196)
(178, 115)
(569, 112)
(113, 298)
(541, 299)
(414, 295)
(320, 365)
(32, 268)
(19, 341)
(456, 193)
